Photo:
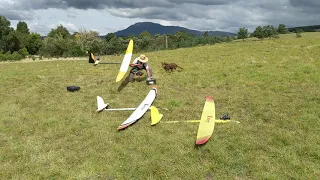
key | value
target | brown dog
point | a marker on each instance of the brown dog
(170, 66)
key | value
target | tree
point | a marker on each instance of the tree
(269, 31)
(243, 33)
(5, 33)
(89, 41)
(14, 42)
(145, 35)
(22, 27)
(22, 33)
(109, 36)
(258, 33)
(57, 43)
(118, 45)
(206, 34)
(35, 43)
(181, 39)
(145, 40)
(282, 29)
(60, 31)
(55, 47)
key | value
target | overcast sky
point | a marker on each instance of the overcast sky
(107, 16)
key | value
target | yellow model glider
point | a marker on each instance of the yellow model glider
(126, 62)
(206, 124)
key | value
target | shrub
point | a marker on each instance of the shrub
(15, 56)
(2, 57)
(298, 35)
(23, 52)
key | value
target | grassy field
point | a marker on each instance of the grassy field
(271, 86)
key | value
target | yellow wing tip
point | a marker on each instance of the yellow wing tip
(202, 140)
(130, 47)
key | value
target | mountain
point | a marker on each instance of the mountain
(154, 28)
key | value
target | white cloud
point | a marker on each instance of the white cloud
(165, 23)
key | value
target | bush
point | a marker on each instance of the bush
(65, 55)
(76, 51)
(23, 52)
(2, 57)
(15, 56)
(298, 35)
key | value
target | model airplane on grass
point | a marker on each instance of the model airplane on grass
(138, 112)
(206, 123)
(124, 64)
(102, 106)
(97, 61)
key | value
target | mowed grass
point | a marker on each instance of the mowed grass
(271, 86)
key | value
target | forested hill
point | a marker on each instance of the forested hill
(312, 28)
(154, 28)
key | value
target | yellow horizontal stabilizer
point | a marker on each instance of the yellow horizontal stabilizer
(155, 116)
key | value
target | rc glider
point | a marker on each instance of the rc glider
(138, 112)
(96, 60)
(206, 123)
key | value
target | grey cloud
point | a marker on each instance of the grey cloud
(10, 15)
(72, 15)
(203, 2)
(102, 4)
(16, 15)
(90, 4)
(149, 13)
(308, 6)
(41, 29)
(305, 3)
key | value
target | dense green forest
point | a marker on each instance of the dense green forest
(313, 28)
(16, 44)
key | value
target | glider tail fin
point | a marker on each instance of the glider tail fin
(91, 58)
(101, 104)
(94, 60)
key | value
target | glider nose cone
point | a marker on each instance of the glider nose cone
(209, 98)
(155, 87)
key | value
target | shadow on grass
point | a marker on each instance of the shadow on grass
(124, 83)
(199, 146)
(127, 80)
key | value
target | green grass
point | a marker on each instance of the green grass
(271, 86)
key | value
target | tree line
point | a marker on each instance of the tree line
(18, 43)
(268, 31)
